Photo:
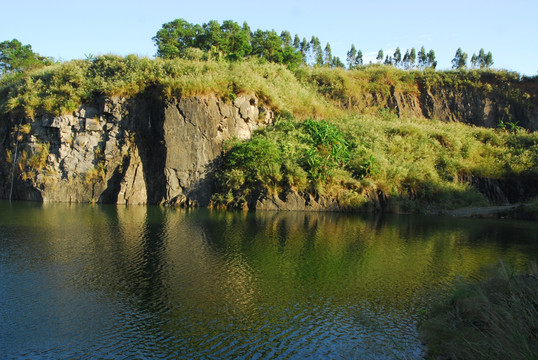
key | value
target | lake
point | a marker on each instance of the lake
(112, 282)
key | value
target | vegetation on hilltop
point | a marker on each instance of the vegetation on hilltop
(16, 57)
(61, 88)
(233, 42)
(304, 92)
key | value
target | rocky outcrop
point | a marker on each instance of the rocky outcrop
(293, 201)
(486, 107)
(141, 150)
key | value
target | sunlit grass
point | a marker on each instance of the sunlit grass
(403, 156)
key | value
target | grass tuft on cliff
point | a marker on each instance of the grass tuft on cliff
(319, 92)
(62, 88)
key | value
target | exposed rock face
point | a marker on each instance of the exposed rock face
(125, 151)
(293, 201)
(145, 150)
(466, 104)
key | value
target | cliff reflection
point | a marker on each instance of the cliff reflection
(202, 283)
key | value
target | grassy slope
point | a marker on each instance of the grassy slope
(413, 161)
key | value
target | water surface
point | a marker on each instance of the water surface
(83, 281)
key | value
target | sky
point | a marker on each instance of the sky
(73, 29)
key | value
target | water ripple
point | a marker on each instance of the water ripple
(146, 282)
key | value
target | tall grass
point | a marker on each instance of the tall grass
(496, 318)
(61, 88)
(414, 162)
(319, 92)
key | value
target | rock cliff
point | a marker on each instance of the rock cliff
(467, 104)
(146, 150)
(140, 150)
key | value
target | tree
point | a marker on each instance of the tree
(336, 62)
(359, 61)
(211, 38)
(316, 54)
(305, 48)
(412, 58)
(234, 41)
(286, 38)
(489, 59)
(351, 58)
(397, 57)
(483, 60)
(474, 61)
(246, 29)
(297, 42)
(268, 45)
(422, 58)
(15, 57)
(327, 55)
(291, 56)
(379, 56)
(406, 60)
(460, 60)
(432, 63)
(175, 37)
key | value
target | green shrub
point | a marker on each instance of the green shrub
(290, 155)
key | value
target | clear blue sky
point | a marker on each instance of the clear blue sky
(71, 29)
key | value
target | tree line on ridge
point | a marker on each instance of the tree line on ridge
(230, 41)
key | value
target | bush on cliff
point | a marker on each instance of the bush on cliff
(307, 157)
(414, 162)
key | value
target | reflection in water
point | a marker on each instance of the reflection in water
(152, 282)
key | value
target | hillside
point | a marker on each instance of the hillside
(136, 131)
